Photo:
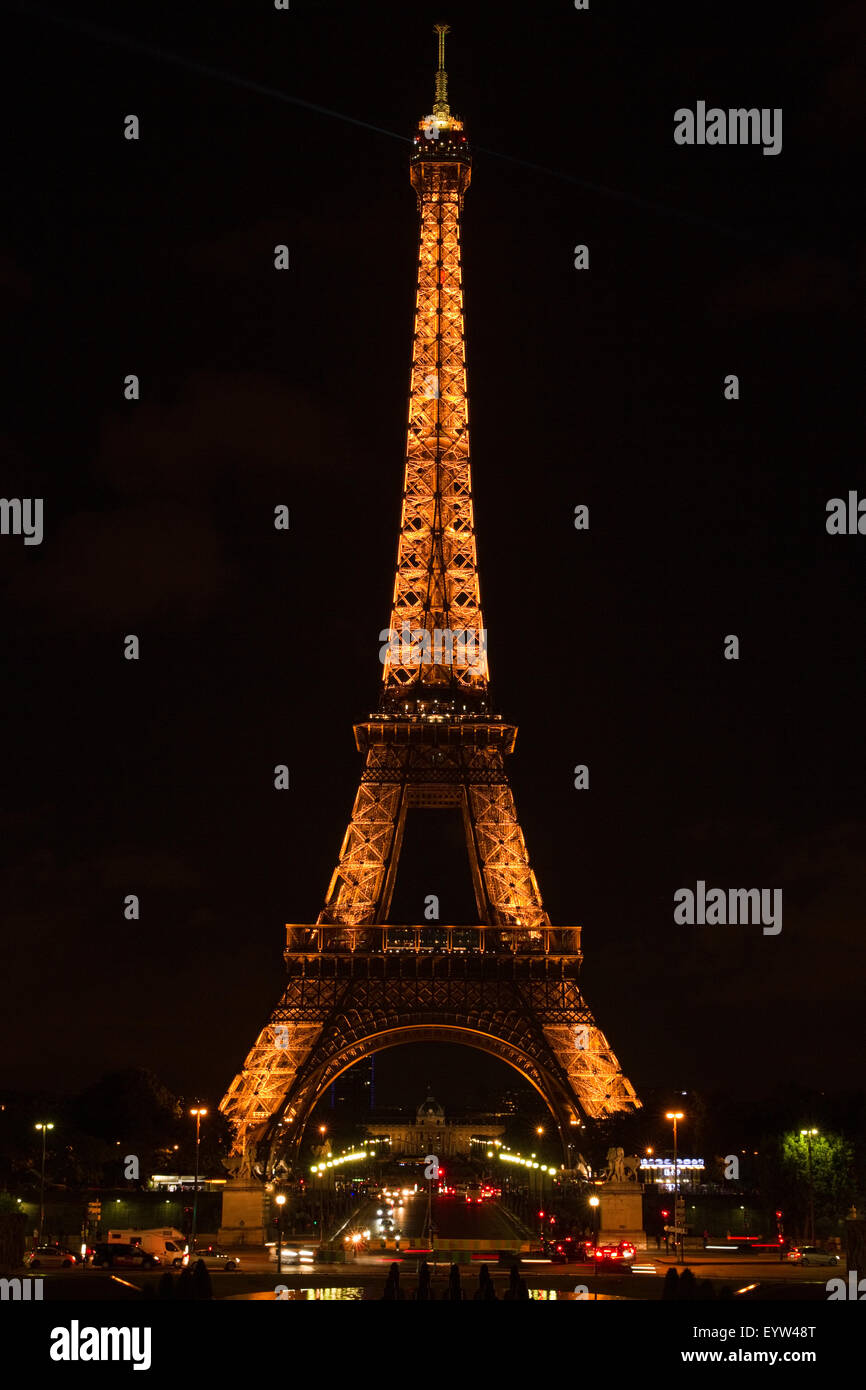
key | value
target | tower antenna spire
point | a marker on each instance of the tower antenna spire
(440, 103)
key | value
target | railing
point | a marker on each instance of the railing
(388, 939)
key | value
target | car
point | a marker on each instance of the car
(291, 1255)
(123, 1256)
(609, 1256)
(215, 1258)
(289, 1252)
(50, 1257)
(564, 1249)
(626, 1249)
(811, 1255)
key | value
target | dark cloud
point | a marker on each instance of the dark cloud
(832, 47)
(221, 428)
(799, 283)
(114, 567)
(14, 278)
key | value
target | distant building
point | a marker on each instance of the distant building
(184, 1182)
(432, 1132)
(510, 1102)
(660, 1173)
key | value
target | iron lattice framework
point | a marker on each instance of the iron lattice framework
(357, 983)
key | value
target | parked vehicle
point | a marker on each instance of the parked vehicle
(122, 1255)
(167, 1243)
(50, 1257)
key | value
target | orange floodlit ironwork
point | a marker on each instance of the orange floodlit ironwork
(356, 982)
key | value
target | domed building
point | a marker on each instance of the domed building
(432, 1132)
(430, 1112)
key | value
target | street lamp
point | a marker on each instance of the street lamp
(593, 1202)
(323, 1129)
(281, 1202)
(808, 1133)
(677, 1115)
(199, 1111)
(44, 1127)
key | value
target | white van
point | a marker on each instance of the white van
(168, 1243)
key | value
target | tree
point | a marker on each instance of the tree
(785, 1179)
(133, 1113)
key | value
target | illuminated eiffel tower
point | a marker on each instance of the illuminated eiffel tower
(356, 982)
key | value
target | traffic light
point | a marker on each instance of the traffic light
(541, 1216)
(665, 1214)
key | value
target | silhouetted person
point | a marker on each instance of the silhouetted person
(392, 1283)
(516, 1287)
(165, 1288)
(671, 1286)
(485, 1290)
(201, 1284)
(423, 1292)
(455, 1288)
(687, 1285)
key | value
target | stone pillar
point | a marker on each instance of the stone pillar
(620, 1214)
(245, 1213)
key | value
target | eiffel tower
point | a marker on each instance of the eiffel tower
(356, 982)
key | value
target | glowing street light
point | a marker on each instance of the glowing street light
(594, 1203)
(44, 1126)
(808, 1133)
(281, 1202)
(677, 1115)
(199, 1111)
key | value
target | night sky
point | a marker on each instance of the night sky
(602, 387)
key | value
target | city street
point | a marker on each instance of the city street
(746, 1278)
